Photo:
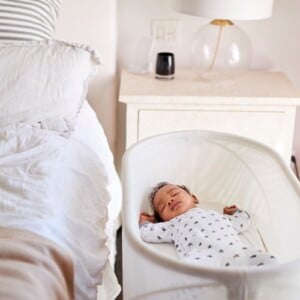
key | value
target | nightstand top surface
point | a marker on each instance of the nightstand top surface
(190, 86)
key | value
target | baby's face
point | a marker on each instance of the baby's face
(171, 201)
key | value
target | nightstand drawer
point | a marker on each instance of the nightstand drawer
(269, 127)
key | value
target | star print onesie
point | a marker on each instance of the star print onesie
(208, 237)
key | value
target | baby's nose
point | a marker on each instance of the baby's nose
(171, 200)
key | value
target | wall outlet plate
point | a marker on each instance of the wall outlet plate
(166, 31)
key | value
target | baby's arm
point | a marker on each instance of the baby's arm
(240, 220)
(154, 232)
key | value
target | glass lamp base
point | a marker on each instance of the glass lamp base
(221, 46)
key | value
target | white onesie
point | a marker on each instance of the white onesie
(208, 237)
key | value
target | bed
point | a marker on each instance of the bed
(60, 195)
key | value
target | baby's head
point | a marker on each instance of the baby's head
(170, 200)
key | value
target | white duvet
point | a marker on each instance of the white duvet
(58, 179)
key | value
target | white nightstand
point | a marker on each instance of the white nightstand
(256, 104)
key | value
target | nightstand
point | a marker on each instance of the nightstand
(256, 104)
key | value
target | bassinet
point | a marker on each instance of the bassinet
(219, 168)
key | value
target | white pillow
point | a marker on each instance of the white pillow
(43, 79)
(28, 20)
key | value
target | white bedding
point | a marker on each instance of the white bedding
(60, 182)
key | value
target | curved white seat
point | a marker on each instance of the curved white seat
(223, 169)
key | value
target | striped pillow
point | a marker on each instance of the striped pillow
(27, 19)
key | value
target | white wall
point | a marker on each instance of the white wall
(274, 40)
(94, 23)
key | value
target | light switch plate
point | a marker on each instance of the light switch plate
(167, 31)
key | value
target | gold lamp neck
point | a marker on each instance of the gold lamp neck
(221, 22)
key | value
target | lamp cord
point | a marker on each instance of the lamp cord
(216, 49)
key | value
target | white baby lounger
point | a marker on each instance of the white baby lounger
(220, 169)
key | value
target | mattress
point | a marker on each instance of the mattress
(57, 180)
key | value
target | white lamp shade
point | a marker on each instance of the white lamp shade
(226, 9)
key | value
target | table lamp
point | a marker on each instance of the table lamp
(222, 45)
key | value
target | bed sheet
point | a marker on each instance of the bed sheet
(57, 179)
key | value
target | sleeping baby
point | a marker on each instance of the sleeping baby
(203, 236)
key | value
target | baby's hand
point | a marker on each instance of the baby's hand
(230, 210)
(144, 217)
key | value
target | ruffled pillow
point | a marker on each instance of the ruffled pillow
(40, 80)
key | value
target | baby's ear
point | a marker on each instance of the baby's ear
(195, 199)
